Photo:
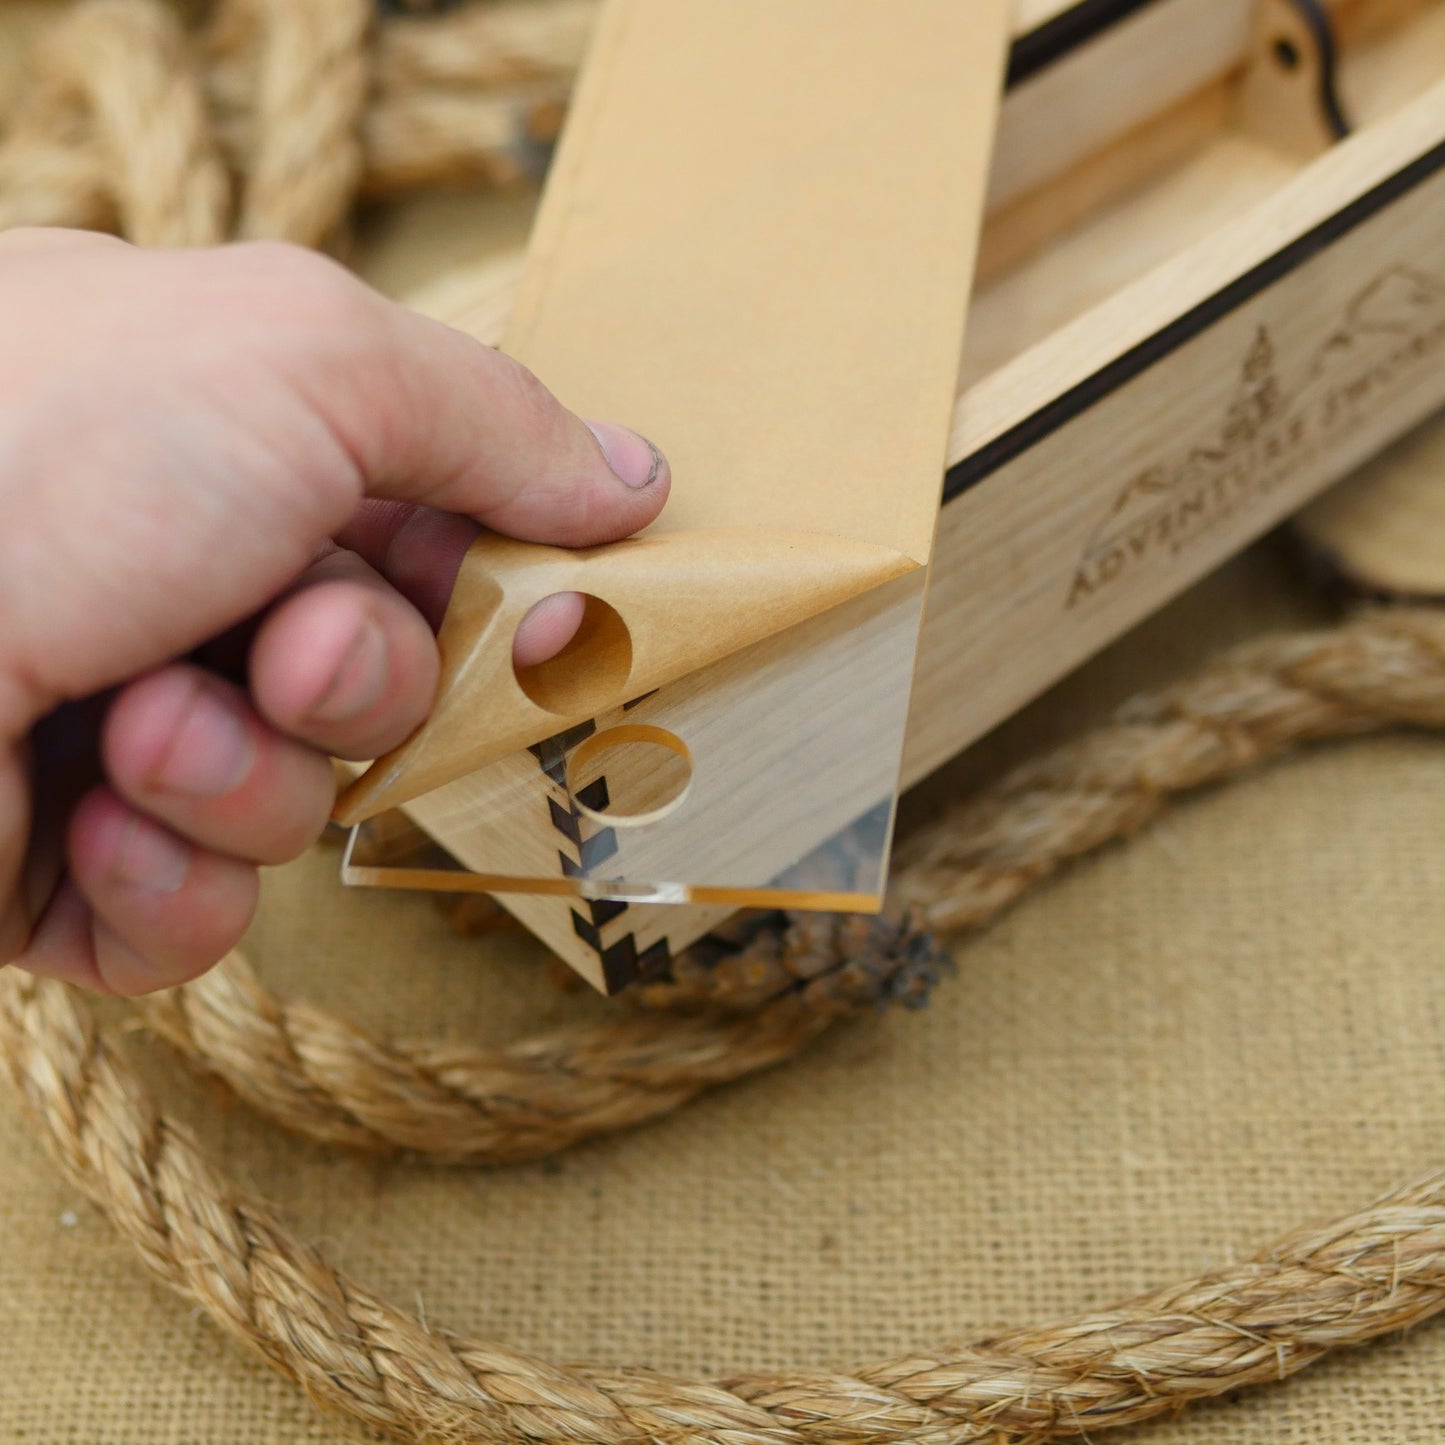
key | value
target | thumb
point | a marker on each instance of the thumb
(432, 416)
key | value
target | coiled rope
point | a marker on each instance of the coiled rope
(279, 114)
(736, 1005)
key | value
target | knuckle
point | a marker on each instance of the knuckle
(562, 458)
(528, 398)
(306, 810)
(298, 287)
(216, 921)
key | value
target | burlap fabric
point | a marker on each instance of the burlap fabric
(1223, 1029)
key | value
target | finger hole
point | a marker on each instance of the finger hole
(590, 671)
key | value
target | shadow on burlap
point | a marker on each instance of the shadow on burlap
(1226, 1027)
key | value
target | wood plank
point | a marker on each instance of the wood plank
(1147, 62)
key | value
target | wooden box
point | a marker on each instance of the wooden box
(1196, 307)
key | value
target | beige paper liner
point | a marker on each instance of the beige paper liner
(685, 600)
(755, 248)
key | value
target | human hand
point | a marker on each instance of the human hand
(235, 486)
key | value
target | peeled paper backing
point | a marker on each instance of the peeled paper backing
(755, 247)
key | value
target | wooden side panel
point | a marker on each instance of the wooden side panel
(1382, 532)
(1135, 69)
(1214, 427)
(1315, 337)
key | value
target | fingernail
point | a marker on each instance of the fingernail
(634, 460)
(358, 683)
(149, 858)
(212, 752)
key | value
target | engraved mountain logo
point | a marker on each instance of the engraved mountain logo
(1269, 431)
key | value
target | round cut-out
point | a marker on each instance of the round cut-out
(629, 775)
(591, 672)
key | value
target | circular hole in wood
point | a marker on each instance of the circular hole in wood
(590, 672)
(629, 775)
(1286, 53)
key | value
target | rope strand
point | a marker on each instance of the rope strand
(116, 110)
(324, 1077)
(309, 80)
(125, 122)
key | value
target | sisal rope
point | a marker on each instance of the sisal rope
(323, 1077)
(127, 117)
(115, 128)
(739, 1003)
(306, 71)
(269, 122)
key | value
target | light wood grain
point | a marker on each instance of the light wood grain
(1282, 96)
(1340, 353)
(1130, 73)
(1055, 554)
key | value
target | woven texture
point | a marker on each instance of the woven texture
(1182, 1048)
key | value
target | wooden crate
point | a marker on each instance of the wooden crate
(1192, 314)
